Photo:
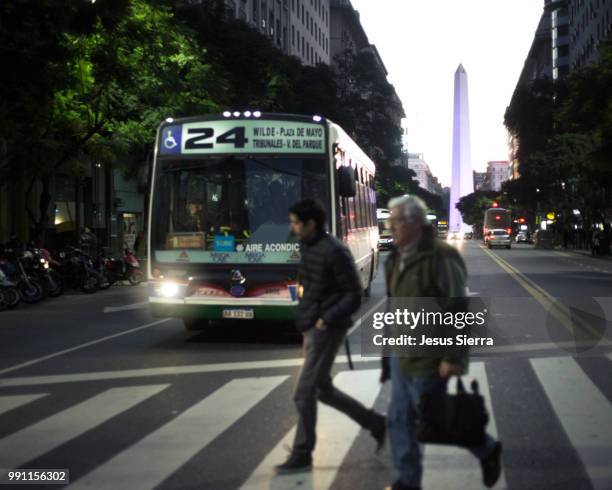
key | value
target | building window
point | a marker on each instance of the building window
(292, 35)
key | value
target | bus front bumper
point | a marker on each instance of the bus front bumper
(189, 309)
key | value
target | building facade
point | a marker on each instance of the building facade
(425, 178)
(297, 27)
(496, 174)
(479, 180)
(590, 24)
(346, 31)
(560, 40)
(567, 38)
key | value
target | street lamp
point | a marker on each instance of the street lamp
(538, 206)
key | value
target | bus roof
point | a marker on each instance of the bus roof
(242, 115)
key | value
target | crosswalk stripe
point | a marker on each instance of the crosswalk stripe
(584, 413)
(179, 440)
(454, 467)
(335, 435)
(50, 433)
(9, 402)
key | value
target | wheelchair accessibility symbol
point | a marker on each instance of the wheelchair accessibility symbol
(171, 140)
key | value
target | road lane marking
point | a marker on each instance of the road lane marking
(554, 307)
(134, 306)
(335, 435)
(269, 364)
(167, 371)
(50, 433)
(78, 347)
(584, 413)
(453, 467)
(150, 461)
(366, 314)
(9, 402)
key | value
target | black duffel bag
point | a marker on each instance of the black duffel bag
(458, 419)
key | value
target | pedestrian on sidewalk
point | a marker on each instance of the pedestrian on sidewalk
(329, 292)
(422, 266)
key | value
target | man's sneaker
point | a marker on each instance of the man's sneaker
(398, 485)
(295, 463)
(379, 433)
(491, 466)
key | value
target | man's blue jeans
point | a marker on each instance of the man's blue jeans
(405, 448)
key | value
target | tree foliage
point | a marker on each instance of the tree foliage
(473, 206)
(564, 133)
(90, 82)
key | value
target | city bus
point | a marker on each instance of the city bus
(385, 240)
(218, 235)
(496, 219)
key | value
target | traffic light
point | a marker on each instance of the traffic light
(495, 204)
(521, 220)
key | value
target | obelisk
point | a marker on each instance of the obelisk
(462, 180)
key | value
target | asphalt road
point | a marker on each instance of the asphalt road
(95, 385)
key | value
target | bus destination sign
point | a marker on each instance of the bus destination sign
(242, 136)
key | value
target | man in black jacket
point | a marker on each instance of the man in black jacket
(329, 292)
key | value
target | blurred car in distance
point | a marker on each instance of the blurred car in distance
(498, 238)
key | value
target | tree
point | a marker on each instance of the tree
(529, 118)
(120, 78)
(564, 132)
(473, 206)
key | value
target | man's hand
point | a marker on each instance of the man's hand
(448, 369)
(320, 325)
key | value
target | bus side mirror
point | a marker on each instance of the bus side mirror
(346, 181)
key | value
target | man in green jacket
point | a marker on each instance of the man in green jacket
(422, 266)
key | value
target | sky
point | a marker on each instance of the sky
(422, 42)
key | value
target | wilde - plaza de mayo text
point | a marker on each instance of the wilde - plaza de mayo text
(412, 320)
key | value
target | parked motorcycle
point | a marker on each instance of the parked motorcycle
(42, 270)
(16, 267)
(9, 294)
(126, 268)
(78, 271)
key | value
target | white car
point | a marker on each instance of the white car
(498, 238)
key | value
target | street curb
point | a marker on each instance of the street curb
(584, 253)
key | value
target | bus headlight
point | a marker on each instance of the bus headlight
(169, 290)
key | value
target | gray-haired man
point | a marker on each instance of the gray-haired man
(422, 266)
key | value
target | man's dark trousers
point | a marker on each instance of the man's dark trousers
(314, 382)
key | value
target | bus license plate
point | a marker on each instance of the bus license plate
(241, 314)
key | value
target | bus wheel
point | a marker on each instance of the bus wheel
(192, 324)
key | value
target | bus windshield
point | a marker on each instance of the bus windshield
(232, 209)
